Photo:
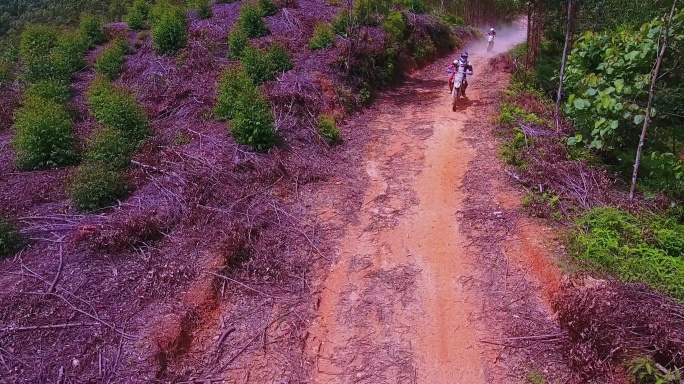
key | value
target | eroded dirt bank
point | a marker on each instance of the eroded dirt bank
(441, 270)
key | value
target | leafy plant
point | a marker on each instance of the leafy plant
(645, 371)
(138, 15)
(111, 60)
(116, 109)
(69, 52)
(237, 42)
(95, 186)
(169, 28)
(51, 90)
(328, 129)
(268, 8)
(415, 6)
(203, 9)
(262, 65)
(323, 37)
(250, 20)
(110, 148)
(645, 249)
(10, 238)
(253, 123)
(234, 83)
(44, 137)
(91, 30)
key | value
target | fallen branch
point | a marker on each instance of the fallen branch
(58, 274)
(52, 326)
(244, 285)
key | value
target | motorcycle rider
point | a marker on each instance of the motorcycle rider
(460, 64)
(491, 32)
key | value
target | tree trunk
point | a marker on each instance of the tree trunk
(651, 93)
(568, 33)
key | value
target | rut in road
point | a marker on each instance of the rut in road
(400, 305)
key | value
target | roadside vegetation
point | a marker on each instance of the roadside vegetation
(578, 166)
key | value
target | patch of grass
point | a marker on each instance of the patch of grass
(323, 37)
(512, 150)
(511, 114)
(10, 239)
(111, 60)
(328, 129)
(535, 377)
(649, 248)
(44, 136)
(341, 22)
(95, 186)
(544, 205)
(250, 20)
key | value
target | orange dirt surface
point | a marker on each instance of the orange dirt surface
(399, 304)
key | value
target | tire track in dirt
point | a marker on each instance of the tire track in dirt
(401, 303)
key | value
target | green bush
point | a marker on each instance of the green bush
(250, 20)
(253, 123)
(341, 22)
(395, 26)
(44, 137)
(169, 28)
(109, 147)
(646, 249)
(323, 37)
(262, 65)
(237, 42)
(6, 73)
(90, 27)
(203, 9)
(95, 186)
(37, 41)
(368, 12)
(137, 16)
(116, 109)
(111, 60)
(328, 129)
(234, 83)
(268, 8)
(52, 90)
(415, 6)
(10, 239)
(69, 52)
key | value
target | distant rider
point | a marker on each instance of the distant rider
(491, 32)
(461, 64)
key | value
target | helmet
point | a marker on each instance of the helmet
(491, 30)
(464, 55)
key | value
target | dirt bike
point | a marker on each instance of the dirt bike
(490, 43)
(455, 86)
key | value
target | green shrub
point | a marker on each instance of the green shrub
(253, 123)
(328, 129)
(52, 90)
(138, 14)
(368, 12)
(116, 109)
(262, 65)
(341, 22)
(6, 73)
(44, 137)
(69, 52)
(110, 148)
(203, 9)
(95, 186)
(234, 83)
(645, 249)
(37, 41)
(268, 8)
(250, 20)
(169, 28)
(10, 239)
(451, 19)
(237, 41)
(415, 6)
(323, 37)
(90, 27)
(395, 26)
(111, 60)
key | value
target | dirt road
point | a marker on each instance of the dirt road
(401, 303)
